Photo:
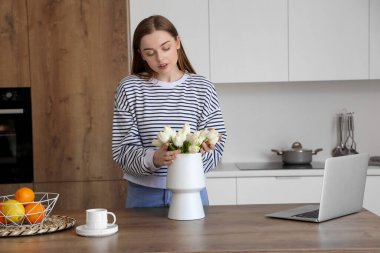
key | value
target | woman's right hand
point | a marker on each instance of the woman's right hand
(164, 157)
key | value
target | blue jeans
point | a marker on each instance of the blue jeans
(142, 196)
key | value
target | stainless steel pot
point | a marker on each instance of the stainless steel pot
(297, 155)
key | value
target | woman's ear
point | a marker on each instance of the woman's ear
(178, 43)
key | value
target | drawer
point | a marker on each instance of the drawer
(221, 191)
(371, 195)
(278, 190)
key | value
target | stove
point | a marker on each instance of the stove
(279, 166)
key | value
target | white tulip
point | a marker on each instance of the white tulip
(183, 136)
(202, 136)
(213, 136)
(163, 137)
(186, 128)
(194, 138)
(204, 133)
(194, 149)
(189, 137)
(178, 139)
(169, 131)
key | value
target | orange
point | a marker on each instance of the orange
(34, 212)
(24, 194)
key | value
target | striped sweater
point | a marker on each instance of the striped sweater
(144, 107)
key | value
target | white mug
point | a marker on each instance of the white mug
(97, 218)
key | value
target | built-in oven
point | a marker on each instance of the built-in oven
(16, 142)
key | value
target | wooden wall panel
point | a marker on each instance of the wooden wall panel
(9, 189)
(14, 54)
(78, 54)
(83, 195)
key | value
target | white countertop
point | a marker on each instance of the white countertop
(230, 170)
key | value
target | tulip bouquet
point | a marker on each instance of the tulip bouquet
(185, 141)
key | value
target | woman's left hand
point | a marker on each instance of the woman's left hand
(206, 147)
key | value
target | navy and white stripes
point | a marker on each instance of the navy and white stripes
(144, 107)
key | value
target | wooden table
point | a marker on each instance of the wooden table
(225, 229)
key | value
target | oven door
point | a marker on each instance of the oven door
(16, 151)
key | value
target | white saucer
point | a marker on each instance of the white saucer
(84, 231)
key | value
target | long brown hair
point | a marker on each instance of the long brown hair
(148, 26)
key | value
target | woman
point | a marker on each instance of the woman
(162, 90)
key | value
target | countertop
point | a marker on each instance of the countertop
(224, 229)
(231, 170)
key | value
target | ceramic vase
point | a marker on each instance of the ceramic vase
(185, 180)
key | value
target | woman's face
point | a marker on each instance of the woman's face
(159, 50)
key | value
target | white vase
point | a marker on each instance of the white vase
(185, 180)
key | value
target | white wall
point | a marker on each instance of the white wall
(262, 116)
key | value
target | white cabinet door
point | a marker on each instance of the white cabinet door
(221, 191)
(374, 43)
(278, 190)
(328, 39)
(248, 41)
(191, 20)
(372, 194)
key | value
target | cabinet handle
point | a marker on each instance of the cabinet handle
(11, 111)
(291, 177)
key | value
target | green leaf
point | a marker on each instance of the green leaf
(172, 147)
(185, 147)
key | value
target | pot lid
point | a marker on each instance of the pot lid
(297, 146)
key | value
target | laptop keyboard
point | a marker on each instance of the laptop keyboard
(312, 214)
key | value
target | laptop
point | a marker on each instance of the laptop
(342, 191)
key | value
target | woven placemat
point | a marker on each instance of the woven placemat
(52, 224)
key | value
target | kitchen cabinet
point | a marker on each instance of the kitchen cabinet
(72, 106)
(274, 40)
(14, 60)
(264, 190)
(374, 39)
(248, 41)
(328, 39)
(221, 191)
(191, 20)
(281, 189)
(227, 185)
(372, 193)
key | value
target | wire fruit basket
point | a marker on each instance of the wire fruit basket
(19, 214)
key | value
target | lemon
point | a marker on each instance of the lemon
(13, 210)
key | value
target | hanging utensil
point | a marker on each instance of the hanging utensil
(347, 135)
(349, 143)
(338, 150)
(352, 149)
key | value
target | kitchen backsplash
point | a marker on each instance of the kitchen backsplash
(263, 116)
